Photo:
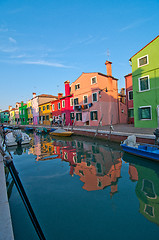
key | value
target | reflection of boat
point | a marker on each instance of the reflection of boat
(18, 150)
(142, 150)
(41, 130)
(15, 137)
(61, 133)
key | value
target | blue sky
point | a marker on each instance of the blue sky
(46, 42)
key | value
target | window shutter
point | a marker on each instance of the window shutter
(91, 115)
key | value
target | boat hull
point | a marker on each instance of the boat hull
(152, 155)
(62, 134)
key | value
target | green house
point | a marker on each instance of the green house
(4, 116)
(145, 76)
(23, 114)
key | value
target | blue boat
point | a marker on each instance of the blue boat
(142, 150)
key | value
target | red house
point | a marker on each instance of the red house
(129, 97)
(62, 108)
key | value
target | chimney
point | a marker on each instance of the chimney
(10, 108)
(109, 68)
(60, 95)
(34, 94)
(67, 88)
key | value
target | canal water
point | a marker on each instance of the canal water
(84, 189)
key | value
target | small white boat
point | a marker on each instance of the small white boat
(16, 137)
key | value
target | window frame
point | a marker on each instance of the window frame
(129, 95)
(79, 113)
(77, 103)
(128, 112)
(53, 107)
(146, 119)
(63, 103)
(77, 88)
(97, 115)
(96, 95)
(148, 83)
(71, 102)
(144, 64)
(47, 107)
(87, 99)
(91, 80)
(59, 105)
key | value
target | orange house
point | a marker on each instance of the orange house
(96, 98)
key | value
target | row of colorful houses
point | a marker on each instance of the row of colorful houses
(94, 97)
(90, 99)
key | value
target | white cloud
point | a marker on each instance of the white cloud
(45, 63)
(12, 40)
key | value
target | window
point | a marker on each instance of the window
(130, 95)
(59, 106)
(145, 113)
(47, 117)
(43, 108)
(48, 107)
(53, 107)
(144, 84)
(76, 101)
(77, 86)
(43, 118)
(143, 61)
(130, 112)
(85, 99)
(71, 101)
(78, 116)
(72, 115)
(93, 80)
(63, 103)
(94, 97)
(94, 115)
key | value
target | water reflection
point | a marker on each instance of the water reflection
(146, 173)
(96, 165)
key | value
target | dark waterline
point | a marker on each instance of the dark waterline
(82, 189)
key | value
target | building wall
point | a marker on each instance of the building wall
(149, 97)
(106, 104)
(46, 114)
(129, 102)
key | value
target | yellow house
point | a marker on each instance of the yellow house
(30, 112)
(45, 113)
(12, 115)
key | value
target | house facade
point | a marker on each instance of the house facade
(62, 108)
(30, 111)
(96, 98)
(23, 114)
(38, 100)
(45, 113)
(4, 116)
(129, 97)
(145, 75)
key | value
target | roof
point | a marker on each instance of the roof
(45, 103)
(144, 47)
(128, 75)
(45, 96)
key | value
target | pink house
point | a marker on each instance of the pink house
(96, 98)
(129, 97)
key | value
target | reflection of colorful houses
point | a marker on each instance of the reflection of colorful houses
(63, 106)
(96, 95)
(69, 155)
(147, 191)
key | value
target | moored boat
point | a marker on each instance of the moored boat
(148, 151)
(16, 137)
(61, 133)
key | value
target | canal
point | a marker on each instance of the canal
(84, 189)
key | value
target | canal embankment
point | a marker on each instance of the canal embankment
(6, 230)
(115, 133)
